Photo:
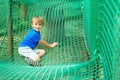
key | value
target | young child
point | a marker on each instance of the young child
(31, 40)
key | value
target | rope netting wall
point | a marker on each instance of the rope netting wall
(90, 56)
(102, 30)
(4, 15)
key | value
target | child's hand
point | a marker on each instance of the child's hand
(53, 44)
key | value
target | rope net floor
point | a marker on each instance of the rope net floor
(82, 53)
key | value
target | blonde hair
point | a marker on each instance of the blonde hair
(40, 20)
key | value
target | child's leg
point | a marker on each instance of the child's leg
(40, 52)
(28, 52)
(30, 56)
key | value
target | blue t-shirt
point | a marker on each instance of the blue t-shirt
(31, 39)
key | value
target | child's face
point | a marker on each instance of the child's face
(36, 24)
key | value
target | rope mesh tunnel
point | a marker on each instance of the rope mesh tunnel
(87, 33)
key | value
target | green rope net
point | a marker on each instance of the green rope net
(87, 33)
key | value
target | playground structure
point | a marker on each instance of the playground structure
(88, 33)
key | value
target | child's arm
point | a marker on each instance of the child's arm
(47, 44)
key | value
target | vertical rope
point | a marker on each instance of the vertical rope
(10, 36)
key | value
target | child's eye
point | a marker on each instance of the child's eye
(39, 24)
(35, 23)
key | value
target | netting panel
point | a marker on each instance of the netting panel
(102, 34)
(4, 15)
(84, 71)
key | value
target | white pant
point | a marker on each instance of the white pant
(28, 52)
